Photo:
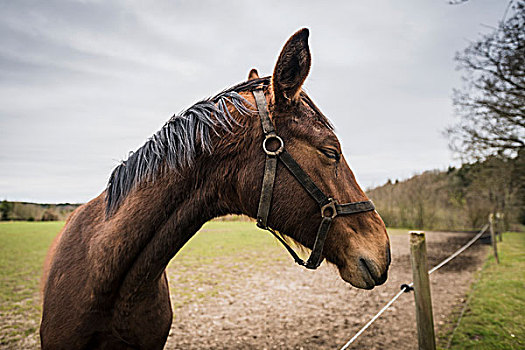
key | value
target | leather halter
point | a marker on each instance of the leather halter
(329, 206)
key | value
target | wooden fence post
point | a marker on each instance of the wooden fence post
(424, 318)
(493, 237)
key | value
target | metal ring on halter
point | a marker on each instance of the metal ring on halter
(278, 150)
(329, 210)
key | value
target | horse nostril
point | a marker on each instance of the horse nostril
(373, 271)
(368, 267)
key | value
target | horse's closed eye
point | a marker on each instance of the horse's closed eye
(330, 153)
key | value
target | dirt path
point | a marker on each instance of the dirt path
(279, 305)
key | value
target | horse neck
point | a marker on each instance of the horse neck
(157, 220)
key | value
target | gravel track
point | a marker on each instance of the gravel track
(279, 305)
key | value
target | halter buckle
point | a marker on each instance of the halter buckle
(270, 137)
(329, 210)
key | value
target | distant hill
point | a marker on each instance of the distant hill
(34, 211)
(459, 198)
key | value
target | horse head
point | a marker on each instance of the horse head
(357, 244)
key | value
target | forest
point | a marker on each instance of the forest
(24, 211)
(458, 198)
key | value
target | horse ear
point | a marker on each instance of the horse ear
(253, 74)
(292, 67)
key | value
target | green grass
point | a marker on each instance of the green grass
(225, 238)
(497, 308)
(495, 317)
(23, 246)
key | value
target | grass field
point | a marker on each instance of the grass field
(23, 246)
(496, 310)
(495, 316)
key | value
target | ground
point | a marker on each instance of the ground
(274, 304)
(233, 286)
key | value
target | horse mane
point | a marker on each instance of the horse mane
(179, 141)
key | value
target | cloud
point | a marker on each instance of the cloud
(82, 83)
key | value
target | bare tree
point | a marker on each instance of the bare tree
(491, 104)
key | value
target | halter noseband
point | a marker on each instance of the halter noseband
(329, 206)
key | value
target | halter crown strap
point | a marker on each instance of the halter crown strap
(270, 167)
(266, 122)
(329, 207)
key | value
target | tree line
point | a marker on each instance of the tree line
(35, 212)
(456, 199)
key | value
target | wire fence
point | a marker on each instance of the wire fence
(405, 288)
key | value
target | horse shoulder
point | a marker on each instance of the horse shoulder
(74, 220)
(51, 252)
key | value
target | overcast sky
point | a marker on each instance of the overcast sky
(82, 83)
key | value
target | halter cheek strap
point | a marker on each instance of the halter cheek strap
(328, 206)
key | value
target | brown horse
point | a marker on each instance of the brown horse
(105, 281)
